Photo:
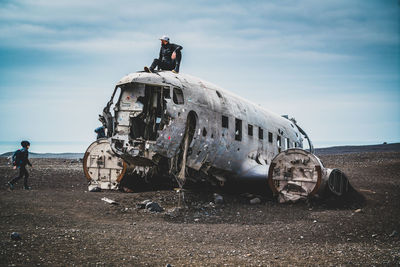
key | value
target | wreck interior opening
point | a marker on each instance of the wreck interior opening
(152, 118)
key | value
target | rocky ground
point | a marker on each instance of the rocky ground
(60, 223)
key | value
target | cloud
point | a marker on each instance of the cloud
(276, 53)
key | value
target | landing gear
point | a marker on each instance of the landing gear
(184, 148)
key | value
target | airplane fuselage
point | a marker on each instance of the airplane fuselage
(228, 136)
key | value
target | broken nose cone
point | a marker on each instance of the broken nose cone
(102, 167)
(296, 174)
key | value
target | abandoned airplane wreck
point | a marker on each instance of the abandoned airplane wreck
(183, 128)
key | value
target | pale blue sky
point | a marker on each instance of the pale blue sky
(333, 65)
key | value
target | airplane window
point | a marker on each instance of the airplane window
(287, 143)
(279, 140)
(250, 129)
(238, 130)
(166, 93)
(270, 137)
(225, 122)
(260, 133)
(204, 132)
(178, 96)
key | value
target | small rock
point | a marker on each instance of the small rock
(255, 200)
(358, 210)
(197, 219)
(394, 233)
(127, 190)
(153, 206)
(218, 199)
(15, 236)
(109, 201)
(168, 265)
(142, 205)
(301, 237)
(374, 235)
(248, 195)
(174, 212)
(94, 189)
(315, 221)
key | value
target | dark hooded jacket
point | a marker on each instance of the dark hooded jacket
(167, 50)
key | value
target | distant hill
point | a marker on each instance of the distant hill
(357, 149)
(318, 151)
(50, 155)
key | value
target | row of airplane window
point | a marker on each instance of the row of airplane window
(238, 133)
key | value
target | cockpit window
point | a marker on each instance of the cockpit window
(178, 96)
(166, 93)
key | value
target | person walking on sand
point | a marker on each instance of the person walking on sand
(20, 160)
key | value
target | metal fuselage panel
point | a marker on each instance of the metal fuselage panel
(233, 137)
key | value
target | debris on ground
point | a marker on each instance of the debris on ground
(218, 199)
(142, 205)
(127, 190)
(94, 189)
(394, 233)
(247, 195)
(358, 210)
(109, 201)
(255, 200)
(149, 205)
(15, 236)
(174, 212)
(154, 206)
(366, 191)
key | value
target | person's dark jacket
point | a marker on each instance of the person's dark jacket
(167, 50)
(100, 132)
(22, 158)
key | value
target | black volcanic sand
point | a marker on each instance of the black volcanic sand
(60, 223)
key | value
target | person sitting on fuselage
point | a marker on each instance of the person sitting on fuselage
(169, 58)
